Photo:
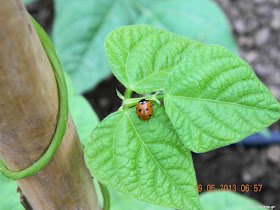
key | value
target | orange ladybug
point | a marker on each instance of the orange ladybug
(144, 109)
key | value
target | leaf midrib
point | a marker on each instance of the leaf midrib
(143, 143)
(168, 68)
(136, 43)
(151, 75)
(217, 101)
(113, 146)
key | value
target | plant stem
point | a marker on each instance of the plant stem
(160, 96)
(32, 97)
(133, 101)
(127, 93)
(127, 96)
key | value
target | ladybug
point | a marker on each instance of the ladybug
(144, 109)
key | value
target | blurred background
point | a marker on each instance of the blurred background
(250, 28)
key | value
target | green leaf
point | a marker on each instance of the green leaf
(9, 198)
(119, 95)
(84, 117)
(143, 159)
(120, 201)
(106, 196)
(213, 98)
(226, 201)
(200, 20)
(141, 57)
(79, 32)
(70, 88)
(28, 1)
(80, 29)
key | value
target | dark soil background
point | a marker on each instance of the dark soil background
(256, 27)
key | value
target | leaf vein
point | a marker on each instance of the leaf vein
(197, 67)
(221, 73)
(223, 102)
(158, 162)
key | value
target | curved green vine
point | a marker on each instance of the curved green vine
(62, 116)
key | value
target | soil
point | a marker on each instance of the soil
(256, 27)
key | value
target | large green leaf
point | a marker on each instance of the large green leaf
(28, 1)
(226, 201)
(143, 159)
(79, 32)
(9, 198)
(119, 201)
(84, 117)
(142, 57)
(80, 28)
(213, 99)
(201, 20)
(70, 88)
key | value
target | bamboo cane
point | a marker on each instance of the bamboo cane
(28, 116)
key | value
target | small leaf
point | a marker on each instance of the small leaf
(119, 95)
(84, 117)
(142, 57)
(143, 159)
(226, 200)
(213, 98)
(79, 32)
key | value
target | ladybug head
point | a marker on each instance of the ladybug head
(143, 101)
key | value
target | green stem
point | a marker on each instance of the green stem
(62, 115)
(106, 196)
(160, 96)
(133, 101)
(127, 95)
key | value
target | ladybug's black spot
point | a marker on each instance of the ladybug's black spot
(147, 109)
(150, 106)
(139, 116)
(150, 115)
(139, 110)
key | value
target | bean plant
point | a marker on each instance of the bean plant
(210, 98)
(204, 97)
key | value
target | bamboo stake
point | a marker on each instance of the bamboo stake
(28, 116)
